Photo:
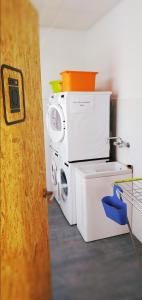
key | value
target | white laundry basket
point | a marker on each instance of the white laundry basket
(93, 182)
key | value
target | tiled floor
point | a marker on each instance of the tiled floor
(101, 270)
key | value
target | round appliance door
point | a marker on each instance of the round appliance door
(63, 185)
(55, 123)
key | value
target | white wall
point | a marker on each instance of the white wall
(59, 50)
(115, 50)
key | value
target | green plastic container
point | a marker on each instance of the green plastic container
(56, 86)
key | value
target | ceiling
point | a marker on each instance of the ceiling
(72, 14)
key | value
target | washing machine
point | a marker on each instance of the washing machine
(78, 125)
(67, 187)
(55, 165)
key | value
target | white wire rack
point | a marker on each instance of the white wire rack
(132, 191)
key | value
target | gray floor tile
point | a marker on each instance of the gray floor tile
(102, 270)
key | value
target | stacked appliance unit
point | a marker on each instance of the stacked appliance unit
(78, 126)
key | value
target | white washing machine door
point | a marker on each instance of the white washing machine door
(55, 123)
(63, 186)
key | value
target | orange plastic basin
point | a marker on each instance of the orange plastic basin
(78, 81)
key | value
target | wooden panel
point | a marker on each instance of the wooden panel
(25, 248)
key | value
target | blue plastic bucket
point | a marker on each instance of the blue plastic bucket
(115, 208)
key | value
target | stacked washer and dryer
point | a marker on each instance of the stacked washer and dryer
(78, 127)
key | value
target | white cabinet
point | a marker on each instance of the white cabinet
(90, 189)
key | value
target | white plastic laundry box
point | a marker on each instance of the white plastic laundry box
(93, 182)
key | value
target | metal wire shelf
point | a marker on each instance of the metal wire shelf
(132, 191)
